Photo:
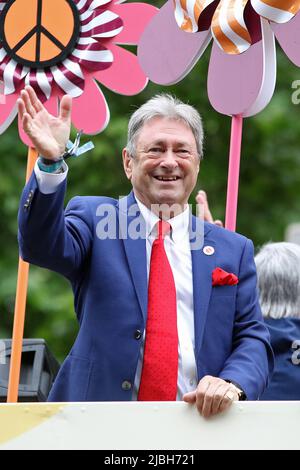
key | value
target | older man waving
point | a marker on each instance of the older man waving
(167, 305)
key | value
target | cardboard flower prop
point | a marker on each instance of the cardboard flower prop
(58, 47)
(242, 69)
(65, 46)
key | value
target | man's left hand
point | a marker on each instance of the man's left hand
(212, 396)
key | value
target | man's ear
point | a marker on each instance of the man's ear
(127, 163)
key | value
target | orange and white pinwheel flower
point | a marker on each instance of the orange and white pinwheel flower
(229, 19)
(242, 69)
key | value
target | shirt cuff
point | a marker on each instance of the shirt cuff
(49, 182)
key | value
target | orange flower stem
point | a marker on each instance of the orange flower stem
(20, 307)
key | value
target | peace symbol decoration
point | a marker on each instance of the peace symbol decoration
(40, 46)
(67, 46)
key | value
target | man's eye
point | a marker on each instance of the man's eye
(183, 152)
(155, 151)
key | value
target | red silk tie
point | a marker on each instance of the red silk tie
(160, 364)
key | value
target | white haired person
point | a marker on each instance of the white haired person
(278, 269)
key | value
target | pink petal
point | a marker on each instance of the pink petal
(52, 104)
(166, 53)
(8, 110)
(135, 17)
(90, 111)
(125, 75)
(289, 39)
(244, 83)
(52, 107)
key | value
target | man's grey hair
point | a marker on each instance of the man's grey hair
(278, 270)
(166, 106)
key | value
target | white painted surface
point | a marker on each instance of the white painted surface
(130, 425)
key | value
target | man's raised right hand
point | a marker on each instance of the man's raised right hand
(49, 134)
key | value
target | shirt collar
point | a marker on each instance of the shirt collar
(179, 224)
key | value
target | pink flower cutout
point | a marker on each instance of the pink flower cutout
(56, 58)
(242, 68)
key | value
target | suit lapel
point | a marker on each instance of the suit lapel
(131, 220)
(202, 266)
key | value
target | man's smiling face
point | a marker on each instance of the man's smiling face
(166, 165)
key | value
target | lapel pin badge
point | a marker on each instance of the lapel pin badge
(208, 250)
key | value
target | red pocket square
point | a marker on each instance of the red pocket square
(223, 278)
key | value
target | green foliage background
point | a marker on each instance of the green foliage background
(269, 197)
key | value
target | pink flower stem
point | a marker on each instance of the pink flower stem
(233, 171)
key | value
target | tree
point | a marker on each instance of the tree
(269, 196)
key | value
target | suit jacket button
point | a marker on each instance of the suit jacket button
(137, 334)
(126, 385)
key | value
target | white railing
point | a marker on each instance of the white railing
(132, 425)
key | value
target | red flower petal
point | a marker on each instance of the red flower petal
(93, 57)
(43, 85)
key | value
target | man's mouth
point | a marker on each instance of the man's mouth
(167, 178)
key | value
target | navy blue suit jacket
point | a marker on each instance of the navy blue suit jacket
(109, 281)
(285, 341)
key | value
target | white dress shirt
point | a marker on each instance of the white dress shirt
(177, 246)
(49, 182)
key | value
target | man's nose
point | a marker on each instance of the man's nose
(169, 160)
